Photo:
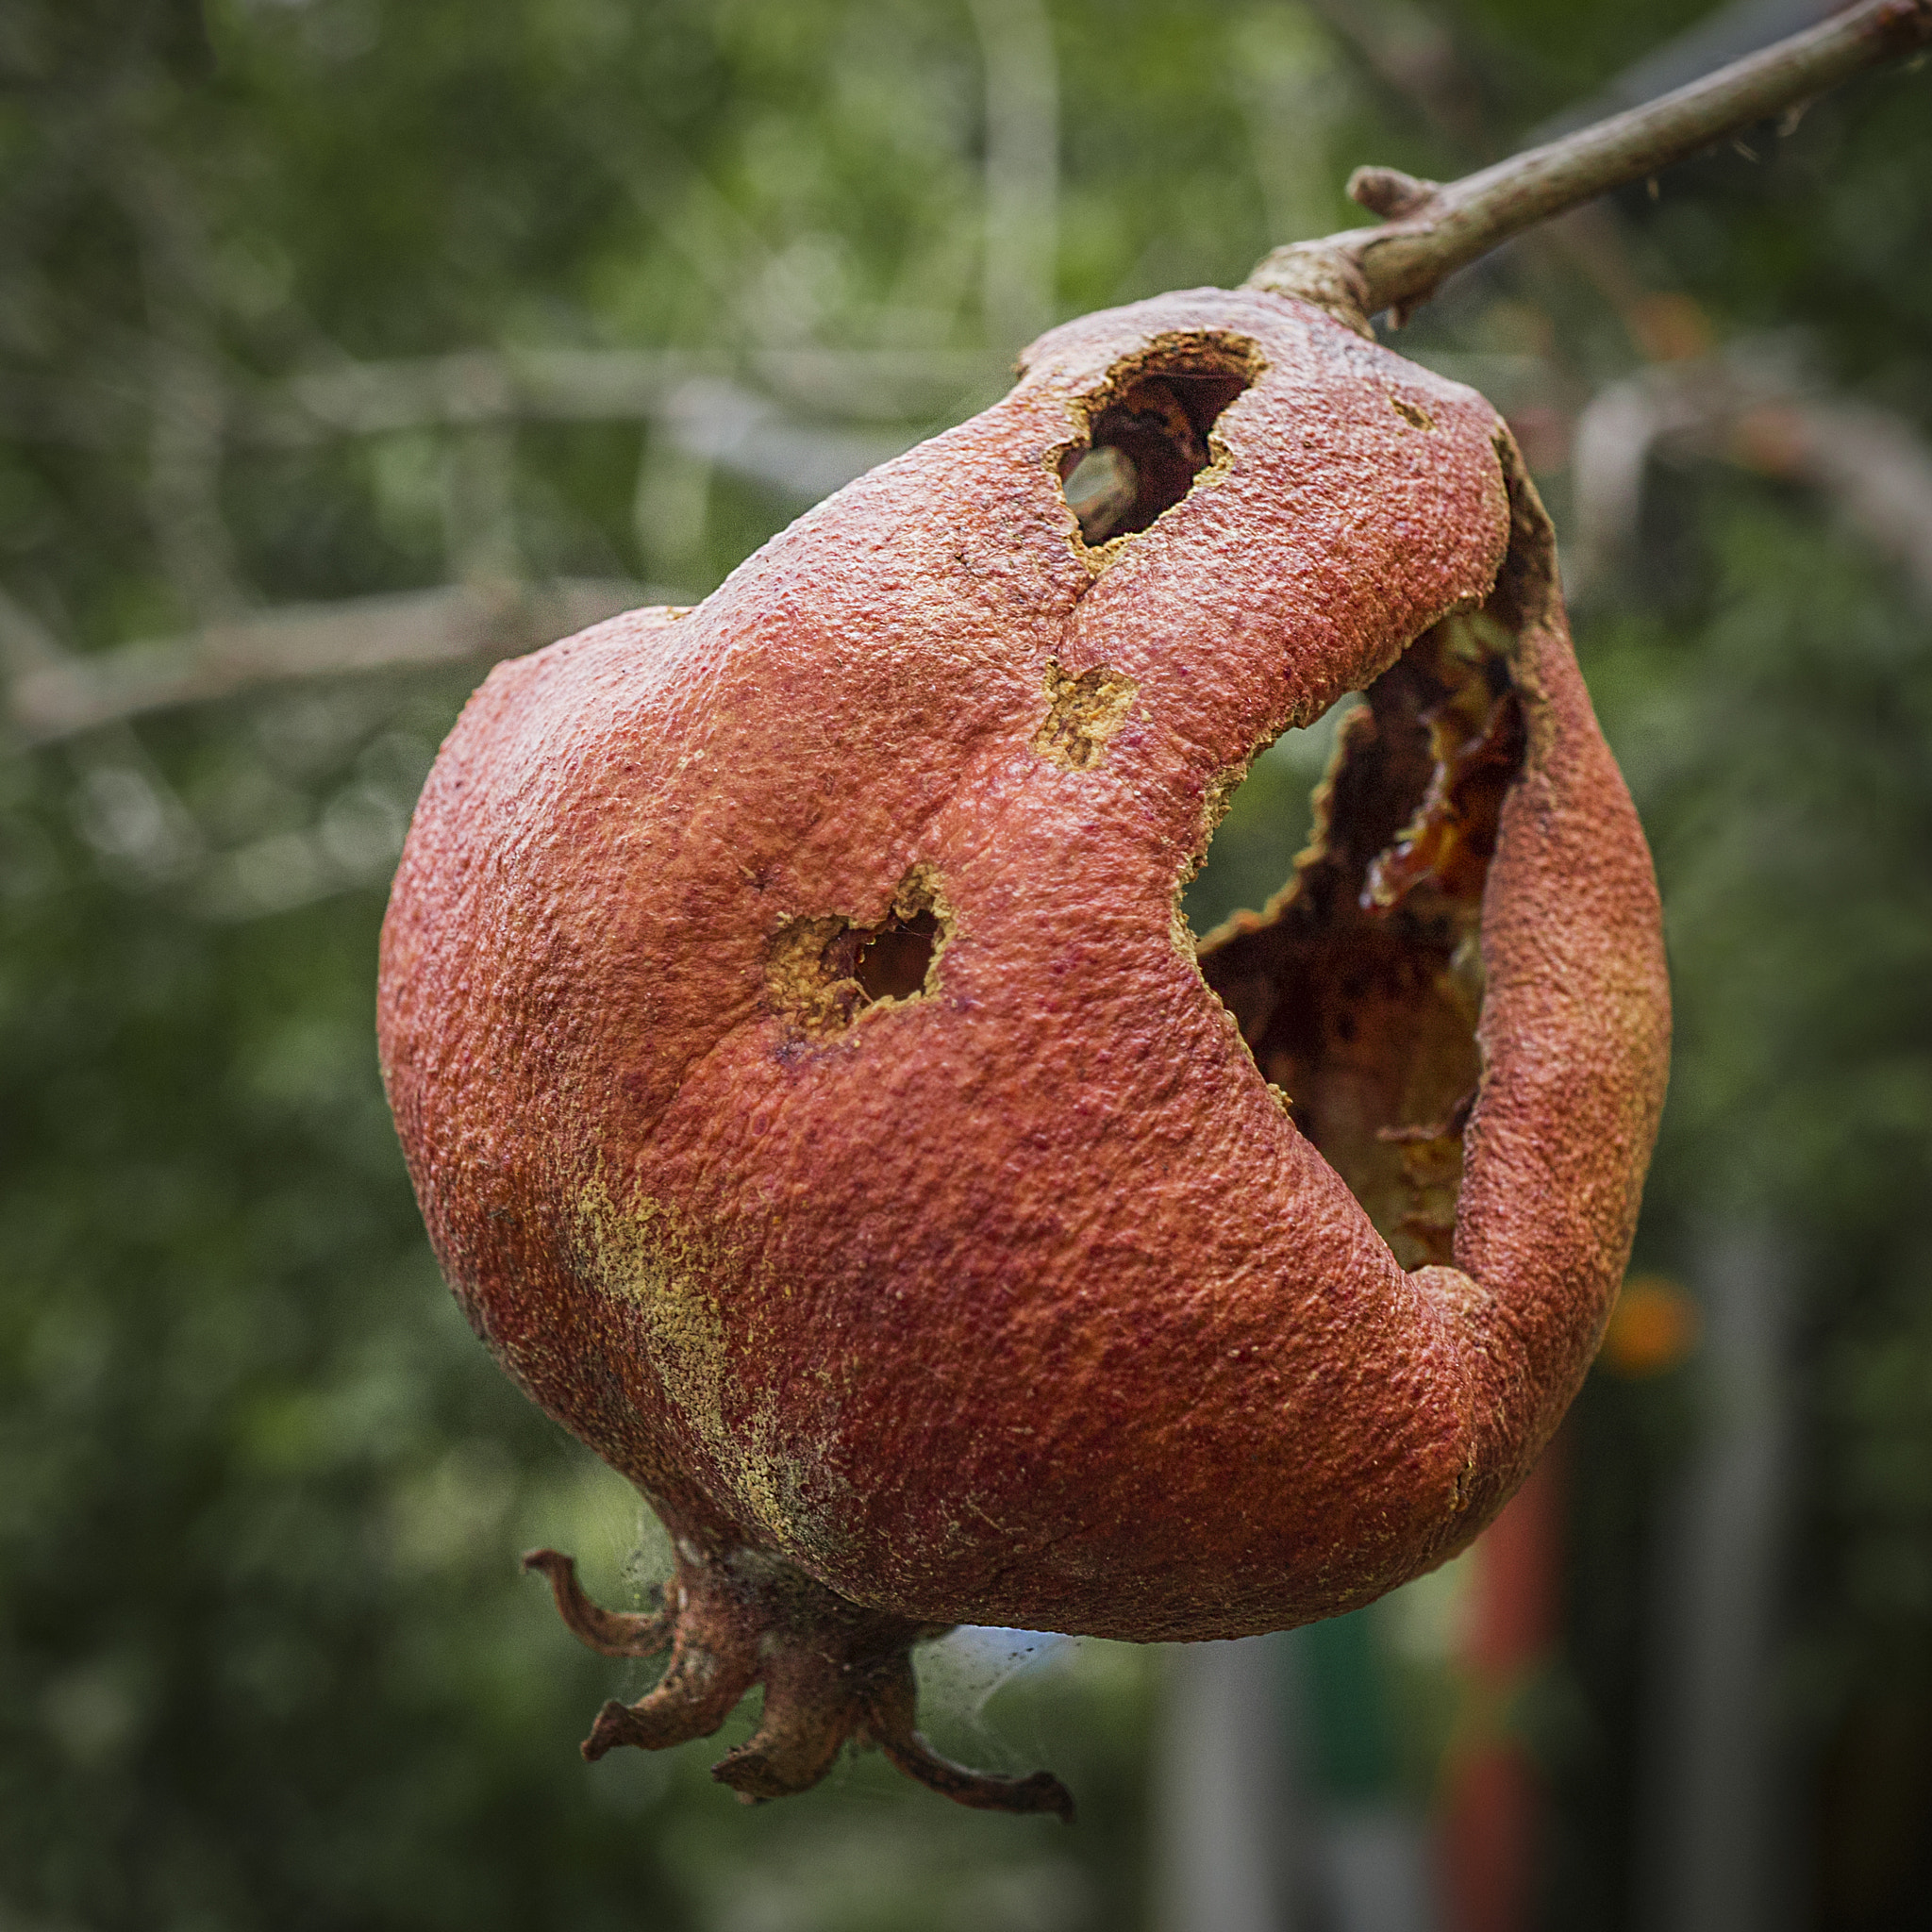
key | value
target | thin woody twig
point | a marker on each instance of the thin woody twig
(1416, 58)
(1435, 228)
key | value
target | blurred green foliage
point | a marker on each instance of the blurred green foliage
(264, 1659)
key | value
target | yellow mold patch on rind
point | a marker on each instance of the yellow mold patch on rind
(646, 1255)
(650, 1257)
(1084, 710)
(798, 984)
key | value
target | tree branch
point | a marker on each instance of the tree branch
(1434, 229)
(1415, 57)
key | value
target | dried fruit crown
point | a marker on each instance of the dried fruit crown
(820, 1106)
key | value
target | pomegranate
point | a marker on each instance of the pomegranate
(819, 1104)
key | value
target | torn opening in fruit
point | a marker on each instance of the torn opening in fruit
(1149, 435)
(822, 973)
(1359, 989)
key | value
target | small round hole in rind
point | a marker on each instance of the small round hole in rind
(893, 960)
(1149, 439)
(822, 973)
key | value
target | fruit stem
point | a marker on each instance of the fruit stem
(1434, 229)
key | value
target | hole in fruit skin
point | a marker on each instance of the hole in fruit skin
(824, 973)
(893, 959)
(1359, 989)
(1148, 439)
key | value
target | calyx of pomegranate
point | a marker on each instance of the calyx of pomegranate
(819, 1104)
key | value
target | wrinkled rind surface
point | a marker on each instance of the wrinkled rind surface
(1022, 1302)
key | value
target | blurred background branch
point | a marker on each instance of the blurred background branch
(1022, 167)
(58, 695)
(1753, 408)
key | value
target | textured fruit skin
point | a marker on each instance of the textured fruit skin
(1021, 1300)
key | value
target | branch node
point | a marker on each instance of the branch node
(1322, 272)
(1389, 193)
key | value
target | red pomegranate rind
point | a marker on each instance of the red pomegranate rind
(1576, 1040)
(1019, 1298)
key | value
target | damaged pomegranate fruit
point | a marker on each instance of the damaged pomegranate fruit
(819, 1104)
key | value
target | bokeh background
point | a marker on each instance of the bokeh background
(348, 344)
